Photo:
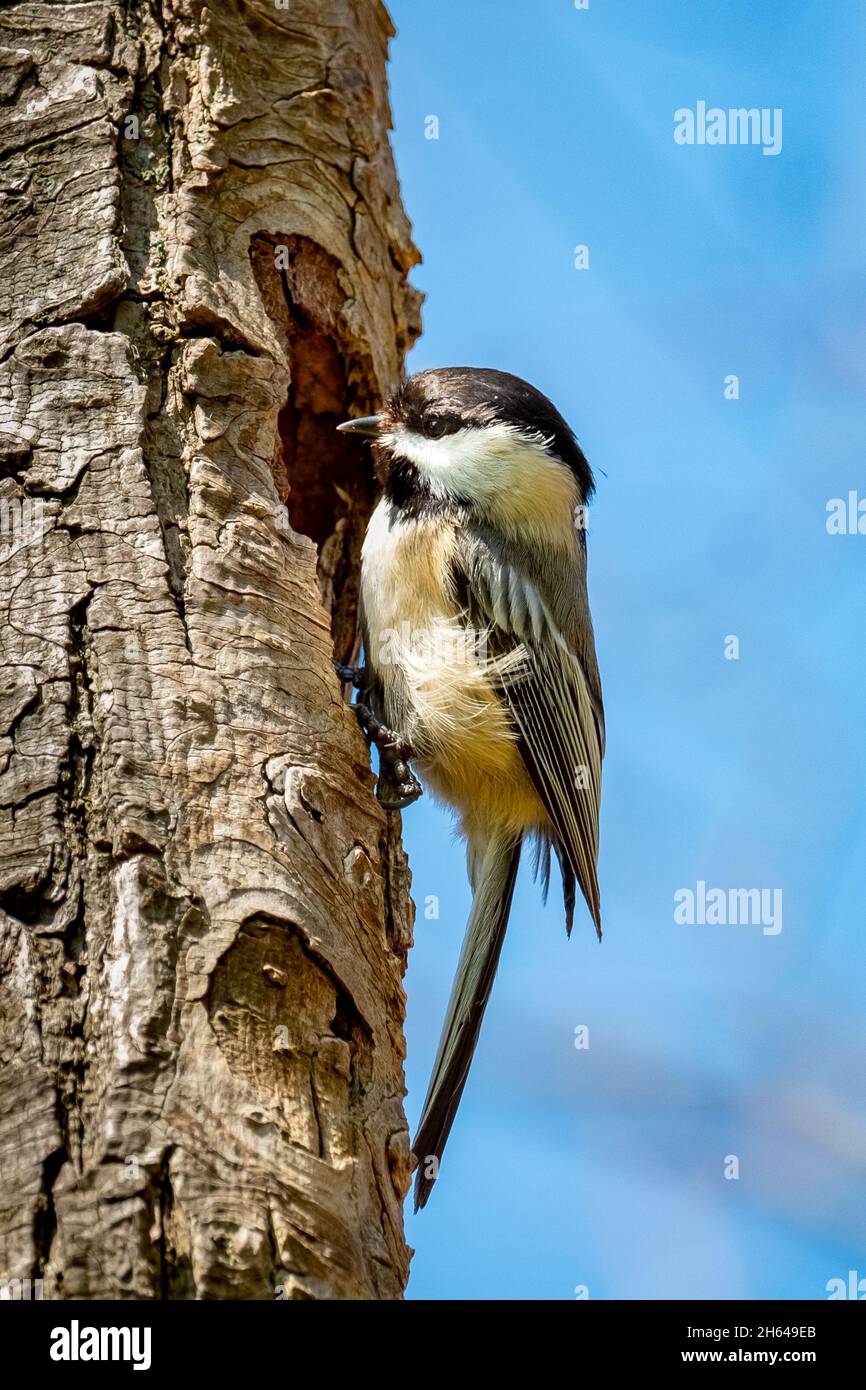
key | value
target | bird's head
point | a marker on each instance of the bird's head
(480, 441)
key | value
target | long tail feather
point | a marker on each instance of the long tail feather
(495, 870)
(568, 886)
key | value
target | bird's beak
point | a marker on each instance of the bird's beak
(367, 426)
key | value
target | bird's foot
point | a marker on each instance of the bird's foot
(353, 675)
(377, 732)
(398, 786)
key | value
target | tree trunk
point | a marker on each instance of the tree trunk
(204, 915)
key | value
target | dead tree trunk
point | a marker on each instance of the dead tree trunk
(204, 917)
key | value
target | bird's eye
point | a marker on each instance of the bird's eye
(437, 425)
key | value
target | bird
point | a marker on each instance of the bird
(480, 669)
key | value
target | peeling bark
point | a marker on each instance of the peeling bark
(204, 914)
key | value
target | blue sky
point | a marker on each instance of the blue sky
(604, 1167)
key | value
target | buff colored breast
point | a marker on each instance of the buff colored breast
(431, 670)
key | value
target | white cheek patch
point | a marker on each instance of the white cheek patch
(441, 462)
(510, 474)
(474, 461)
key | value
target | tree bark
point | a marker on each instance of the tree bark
(204, 915)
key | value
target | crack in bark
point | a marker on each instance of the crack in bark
(45, 1216)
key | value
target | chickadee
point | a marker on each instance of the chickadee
(481, 662)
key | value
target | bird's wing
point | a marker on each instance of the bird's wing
(552, 695)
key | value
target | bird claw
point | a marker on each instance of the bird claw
(354, 675)
(405, 791)
(397, 787)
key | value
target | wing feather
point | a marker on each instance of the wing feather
(552, 694)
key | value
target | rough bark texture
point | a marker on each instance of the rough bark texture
(204, 916)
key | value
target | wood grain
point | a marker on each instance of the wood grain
(204, 916)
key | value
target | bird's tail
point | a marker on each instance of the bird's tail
(493, 871)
